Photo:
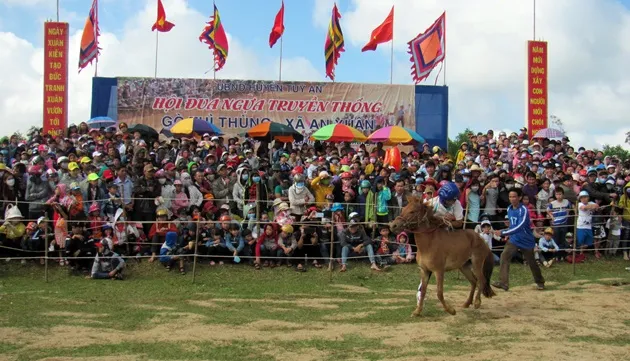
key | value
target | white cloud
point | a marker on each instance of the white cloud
(589, 48)
(132, 54)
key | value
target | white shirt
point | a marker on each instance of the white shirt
(585, 217)
(439, 210)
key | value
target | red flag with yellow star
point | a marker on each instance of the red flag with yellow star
(161, 24)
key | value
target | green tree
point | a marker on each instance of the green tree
(453, 144)
(616, 150)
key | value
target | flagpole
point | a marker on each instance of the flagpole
(444, 74)
(96, 36)
(57, 10)
(391, 60)
(534, 20)
(157, 34)
(280, 74)
(391, 70)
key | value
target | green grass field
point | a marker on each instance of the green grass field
(237, 313)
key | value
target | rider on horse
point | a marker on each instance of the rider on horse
(446, 206)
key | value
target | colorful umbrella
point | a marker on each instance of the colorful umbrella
(100, 122)
(269, 131)
(192, 126)
(549, 133)
(396, 135)
(338, 133)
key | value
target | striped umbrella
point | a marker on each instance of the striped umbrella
(194, 126)
(548, 133)
(396, 135)
(338, 133)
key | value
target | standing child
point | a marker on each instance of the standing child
(486, 232)
(614, 227)
(385, 245)
(585, 221)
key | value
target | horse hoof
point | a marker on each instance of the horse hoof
(416, 313)
(466, 305)
(477, 305)
(451, 310)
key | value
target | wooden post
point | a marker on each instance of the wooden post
(46, 250)
(195, 256)
(577, 205)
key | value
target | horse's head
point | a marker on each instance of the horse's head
(411, 216)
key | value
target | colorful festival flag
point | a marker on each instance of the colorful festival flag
(89, 40)
(161, 24)
(278, 27)
(382, 34)
(214, 35)
(428, 49)
(334, 43)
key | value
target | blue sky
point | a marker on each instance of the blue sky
(302, 37)
(589, 48)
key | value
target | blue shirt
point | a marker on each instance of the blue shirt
(520, 231)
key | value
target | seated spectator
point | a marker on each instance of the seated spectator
(107, 264)
(547, 250)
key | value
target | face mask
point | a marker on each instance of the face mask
(465, 179)
(256, 179)
(620, 182)
(162, 180)
(474, 188)
(299, 185)
(372, 160)
(325, 182)
(610, 186)
(628, 190)
(334, 161)
(251, 216)
(10, 182)
(509, 186)
(245, 177)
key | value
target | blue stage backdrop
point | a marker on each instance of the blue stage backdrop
(431, 108)
(432, 114)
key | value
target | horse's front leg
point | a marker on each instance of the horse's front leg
(425, 276)
(439, 275)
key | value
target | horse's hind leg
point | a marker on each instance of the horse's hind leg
(439, 275)
(425, 276)
(467, 271)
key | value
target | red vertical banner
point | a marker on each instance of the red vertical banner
(537, 97)
(55, 78)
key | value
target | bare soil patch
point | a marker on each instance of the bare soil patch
(352, 288)
(74, 314)
(525, 322)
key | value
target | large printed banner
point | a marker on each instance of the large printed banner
(237, 105)
(55, 77)
(536, 86)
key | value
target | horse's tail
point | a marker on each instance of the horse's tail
(488, 267)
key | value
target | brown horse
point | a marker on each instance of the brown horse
(440, 250)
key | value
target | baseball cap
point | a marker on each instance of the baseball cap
(73, 166)
(92, 177)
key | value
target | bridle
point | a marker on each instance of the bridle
(416, 224)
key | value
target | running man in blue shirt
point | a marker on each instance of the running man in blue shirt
(520, 238)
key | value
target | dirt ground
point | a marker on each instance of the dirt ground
(522, 324)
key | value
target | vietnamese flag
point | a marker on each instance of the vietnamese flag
(278, 27)
(161, 24)
(382, 34)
